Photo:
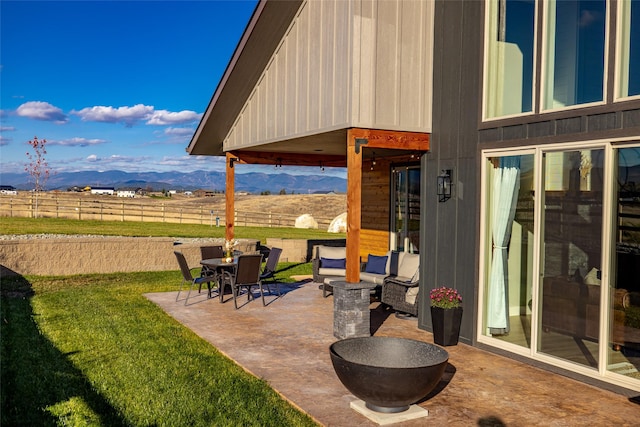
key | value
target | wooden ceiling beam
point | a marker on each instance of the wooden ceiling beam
(396, 140)
(288, 159)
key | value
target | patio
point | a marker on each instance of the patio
(286, 344)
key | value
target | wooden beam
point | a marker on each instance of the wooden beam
(295, 159)
(229, 193)
(354, 205)
(397, 140)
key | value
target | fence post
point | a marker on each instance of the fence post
(11, 208)
(141, 212)
(123, 211)
(270, 218)
(79, 208)
(57, 208)
(101, 206)
(163, 213)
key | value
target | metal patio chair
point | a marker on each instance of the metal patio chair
(188, 278)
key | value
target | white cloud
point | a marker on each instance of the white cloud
(178, 131)
(92, 158)
(4, 140)
(78, 142)
(164, 117)
(127, 115)
(39, 110)
(7, 129)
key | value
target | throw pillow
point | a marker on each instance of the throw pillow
(333, 263)
(376, 264)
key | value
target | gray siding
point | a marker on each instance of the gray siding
(343, 64)
(450, 229)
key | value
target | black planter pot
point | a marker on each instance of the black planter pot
(446, 325)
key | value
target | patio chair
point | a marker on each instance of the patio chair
(247, 274)
(269, 271)
(208, 252)
(188, 277)
(268, 275)
(402, 296)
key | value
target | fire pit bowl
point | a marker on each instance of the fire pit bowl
(388, 374)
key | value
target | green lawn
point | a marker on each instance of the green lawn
(92, 350)
(156, 229)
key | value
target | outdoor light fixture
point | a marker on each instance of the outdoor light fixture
(444, 185)
(373, 160)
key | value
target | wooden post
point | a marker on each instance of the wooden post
(229, 199)
(354, 208)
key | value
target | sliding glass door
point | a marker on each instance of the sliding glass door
(405, 218)
(571, 255)
(560, 257)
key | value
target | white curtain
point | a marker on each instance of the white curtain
(504, 196)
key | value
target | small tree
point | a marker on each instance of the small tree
(37, 166)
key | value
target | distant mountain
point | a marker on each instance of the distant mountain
(253, 182)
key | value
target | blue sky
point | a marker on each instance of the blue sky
(115, 84)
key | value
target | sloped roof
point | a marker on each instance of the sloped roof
(263, 33)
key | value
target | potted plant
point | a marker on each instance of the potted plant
(446, 315)
(229, 246)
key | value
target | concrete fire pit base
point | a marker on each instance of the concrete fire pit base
(414, 412)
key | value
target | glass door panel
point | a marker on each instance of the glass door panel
(571, 255)
(405, 222)
(510, 228)
(624, 305)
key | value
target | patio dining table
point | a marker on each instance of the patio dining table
(220, 266)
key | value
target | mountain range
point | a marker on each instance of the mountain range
(253, 182)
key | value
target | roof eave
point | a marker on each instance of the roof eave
(267, 26)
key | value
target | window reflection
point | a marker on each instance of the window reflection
(510, 52)
(629, 52)
(575, 52)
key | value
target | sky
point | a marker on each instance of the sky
(115, 84)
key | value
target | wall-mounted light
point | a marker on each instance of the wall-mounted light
(444, 185)
(278, 163)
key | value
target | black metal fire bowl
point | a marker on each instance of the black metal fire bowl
(388, 374)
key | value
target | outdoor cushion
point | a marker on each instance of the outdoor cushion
(411, 295)
(409, 266)
(378, 279)
(333, 263)
(334, 252)
(376, 264)
(332, 271)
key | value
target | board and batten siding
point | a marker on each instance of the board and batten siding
(343, 64)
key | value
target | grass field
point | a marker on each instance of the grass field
(12, 226)
(92, 350)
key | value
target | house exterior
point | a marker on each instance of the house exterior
(104, 191)
(532, 108)
(126, 192)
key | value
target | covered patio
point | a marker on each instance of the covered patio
(286, 344)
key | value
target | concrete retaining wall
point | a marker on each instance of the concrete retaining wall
(66, 256)
(85, 255)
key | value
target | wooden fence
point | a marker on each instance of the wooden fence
(126, 209)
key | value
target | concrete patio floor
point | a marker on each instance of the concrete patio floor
(286, 343)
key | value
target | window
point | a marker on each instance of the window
(558, 275)
(575, 52)
(629, 49)
(510, 52)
